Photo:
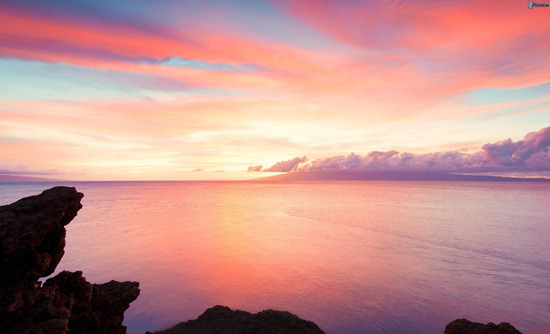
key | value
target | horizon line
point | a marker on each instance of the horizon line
(31, 179)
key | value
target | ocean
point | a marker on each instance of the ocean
(352, 256)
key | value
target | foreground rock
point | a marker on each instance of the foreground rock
(222, 320)
(32, 234)
(463, 326)
(32, 241)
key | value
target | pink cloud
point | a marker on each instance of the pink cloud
(130, 49)
(37, 37)
(531, 153)
(255, 168)
(286, 166)
(467, 44)
(528, 155)
(471, 44)
(418, 24)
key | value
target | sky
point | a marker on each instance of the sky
(189, 90)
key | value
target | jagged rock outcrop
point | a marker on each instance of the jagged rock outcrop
(32, 241)
(464, 326)
(32, 234)
(223, 320)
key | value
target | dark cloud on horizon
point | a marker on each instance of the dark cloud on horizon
(528, 155)
(23, 170)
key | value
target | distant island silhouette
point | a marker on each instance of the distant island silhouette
(390, 176)
(17, 178)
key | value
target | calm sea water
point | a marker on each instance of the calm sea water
(354, 257)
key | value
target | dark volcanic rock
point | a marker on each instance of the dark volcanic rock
(222, 320)
(463, 326)
(32, 234)
(95, 308)
(32, 238)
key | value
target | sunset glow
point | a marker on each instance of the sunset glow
(186, 90)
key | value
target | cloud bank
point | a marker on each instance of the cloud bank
(255, 168)
(281, 166)
(528, 155)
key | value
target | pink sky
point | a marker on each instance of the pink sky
(176, 90)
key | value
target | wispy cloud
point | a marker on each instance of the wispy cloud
(464, 41)
(34, 36)
(104, 87)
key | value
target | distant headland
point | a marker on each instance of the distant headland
(391, 176)
(17, 178)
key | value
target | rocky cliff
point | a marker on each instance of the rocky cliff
(32, 241)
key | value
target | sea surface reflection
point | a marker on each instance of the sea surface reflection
(354, 257)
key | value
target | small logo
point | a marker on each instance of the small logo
(532, 4)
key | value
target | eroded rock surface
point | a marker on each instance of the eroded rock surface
(223, 320)
(464, 326)
(32, 234)
(32, 239)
